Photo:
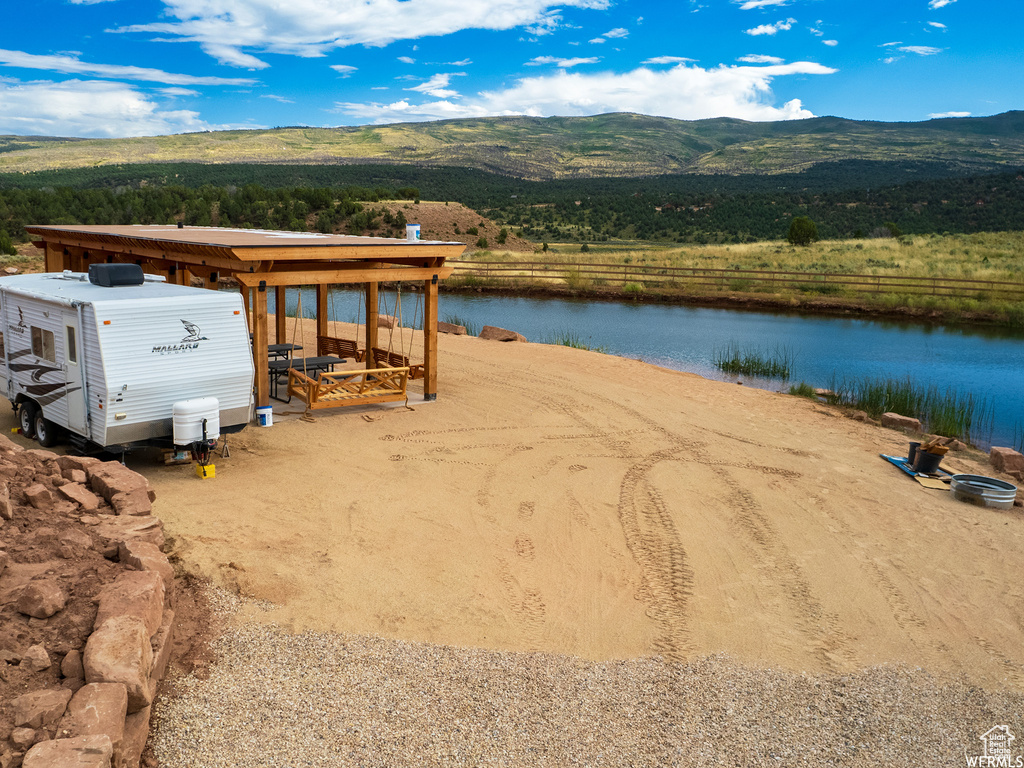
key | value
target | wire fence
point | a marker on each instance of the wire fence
(583, 274)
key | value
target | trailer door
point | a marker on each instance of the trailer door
(73, 374)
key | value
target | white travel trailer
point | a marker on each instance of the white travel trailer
(102, 359)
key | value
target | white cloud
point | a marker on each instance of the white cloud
(936, 24)
(344, 69)
(315, 27)
(938, 115)
(684, 92)
(831, 43)
(462, 63)
(437, 86)
(921, 50)
(273, 97)
(89, 2)
(759, 58)
(772, 29)
(92, 108)
(617, 32)
(174, 92)
(71, 65)
(815, 32)
(668, 60)
(563, 63)
(891, 59)
(747, 5)
(933, 4)
(889, 45)
(229, 54)
(407, 59)
(597, 40)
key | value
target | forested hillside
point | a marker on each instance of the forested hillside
(663, 209)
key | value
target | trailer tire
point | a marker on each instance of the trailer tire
(47, 433)
(27, 418)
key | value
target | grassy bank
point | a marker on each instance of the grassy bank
(986, 256)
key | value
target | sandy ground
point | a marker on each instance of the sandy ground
(570, 502)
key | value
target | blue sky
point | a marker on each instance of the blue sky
(146, 67)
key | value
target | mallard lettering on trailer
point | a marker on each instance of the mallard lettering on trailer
(174, 349)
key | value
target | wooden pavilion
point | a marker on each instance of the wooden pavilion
(259, 260)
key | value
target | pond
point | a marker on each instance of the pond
(987, 362)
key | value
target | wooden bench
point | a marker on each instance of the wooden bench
(384, 359)
(340, 388)
(332, 345)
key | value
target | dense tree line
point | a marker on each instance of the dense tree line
(349, 209)
(847, 199)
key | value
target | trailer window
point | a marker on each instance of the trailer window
(42, 344)
(72, 347)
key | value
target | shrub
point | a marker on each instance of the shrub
(803, 231)
(803, 389)
(6, 246)
(481, 243)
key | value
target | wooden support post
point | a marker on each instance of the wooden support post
(280, 305)
(321, 310)
(246, 305)
(430, 339)
(260, 339)
(54, 258)
(185, 276)
(371, 322)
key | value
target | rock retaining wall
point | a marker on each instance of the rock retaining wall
(86, 610)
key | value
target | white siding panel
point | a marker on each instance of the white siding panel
(153, 359)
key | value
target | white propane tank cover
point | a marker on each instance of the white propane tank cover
(188, 419)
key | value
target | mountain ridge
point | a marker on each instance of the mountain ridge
(532, 148)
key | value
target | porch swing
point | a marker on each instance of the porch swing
(337, 346)
(334, 389)
(400, 359)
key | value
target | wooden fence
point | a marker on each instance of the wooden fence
(581, 275)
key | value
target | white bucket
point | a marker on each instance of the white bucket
(412, 231)
(264, 415)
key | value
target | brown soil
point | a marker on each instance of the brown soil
(439, 221)
(566, 501)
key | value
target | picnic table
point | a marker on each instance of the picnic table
(282, 351)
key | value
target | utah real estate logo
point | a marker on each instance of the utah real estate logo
(998, 750)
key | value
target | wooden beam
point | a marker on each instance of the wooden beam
(280, 332)
(364, 252)
(260, 339)
(360, 274)
(218, 258)
(430, 340)
(371, 322)
(321, 310)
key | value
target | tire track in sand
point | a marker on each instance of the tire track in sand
(820, 628)
(653, 541)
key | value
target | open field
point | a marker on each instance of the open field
(818, 282)
(983, 256)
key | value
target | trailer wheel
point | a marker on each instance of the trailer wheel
(27, 418)
(47, 433)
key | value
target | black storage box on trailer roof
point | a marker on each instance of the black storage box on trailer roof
(113, 275)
